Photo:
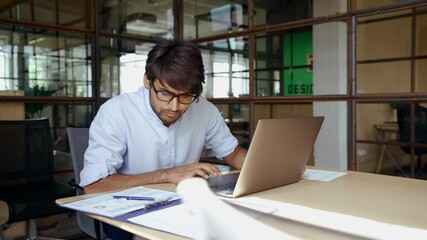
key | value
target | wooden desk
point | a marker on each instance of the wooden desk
(391, 200)
(385, 132)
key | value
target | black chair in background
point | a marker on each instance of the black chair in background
(27, 182)
(404, 124)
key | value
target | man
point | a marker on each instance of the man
(157, 134)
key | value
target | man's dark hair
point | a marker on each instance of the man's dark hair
(178, 63)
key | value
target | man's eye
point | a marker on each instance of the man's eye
(166, 94)
(186, 97)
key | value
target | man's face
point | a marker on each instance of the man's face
(168, 112)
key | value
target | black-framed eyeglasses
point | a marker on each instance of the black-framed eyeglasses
(166, 96)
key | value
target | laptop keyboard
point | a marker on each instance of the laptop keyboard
(224, 187)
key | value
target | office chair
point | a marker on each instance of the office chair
(78, 138)
(404, 124)
(210, 224)
(27, 182)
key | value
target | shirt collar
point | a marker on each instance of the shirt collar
(145, 93)
(146, 99)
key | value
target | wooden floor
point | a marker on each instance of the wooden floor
(66, 228)
(62, 226)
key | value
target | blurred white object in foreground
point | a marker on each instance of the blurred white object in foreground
(215, 219)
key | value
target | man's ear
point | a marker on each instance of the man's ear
(147, 84)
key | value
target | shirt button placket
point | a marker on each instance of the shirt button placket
(170, 150)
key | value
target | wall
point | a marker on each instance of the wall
(330, 54)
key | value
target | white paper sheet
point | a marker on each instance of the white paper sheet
(361, 228)
(177, 220)
(321, 175)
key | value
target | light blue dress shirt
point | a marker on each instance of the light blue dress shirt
(127, 137)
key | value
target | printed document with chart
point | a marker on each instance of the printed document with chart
(122, 202)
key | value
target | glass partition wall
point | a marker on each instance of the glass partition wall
(390, 91)
(359, 63)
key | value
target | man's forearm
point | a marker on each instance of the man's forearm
(119, 181)
(169, 175)
(236, 158)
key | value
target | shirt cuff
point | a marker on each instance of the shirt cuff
(92, 173)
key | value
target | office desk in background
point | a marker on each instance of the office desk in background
(391, 200)
(386, 131)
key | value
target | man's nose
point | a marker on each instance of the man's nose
(174, 104)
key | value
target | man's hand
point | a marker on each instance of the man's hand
(204, 170)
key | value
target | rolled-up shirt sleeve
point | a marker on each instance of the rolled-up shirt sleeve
(219, 138)
(107, 145)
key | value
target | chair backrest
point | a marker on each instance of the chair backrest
(26, 152)
(78, 138)
(404, 123)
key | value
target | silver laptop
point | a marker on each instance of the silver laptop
(277, 156)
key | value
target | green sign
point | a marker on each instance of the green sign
(298, 63)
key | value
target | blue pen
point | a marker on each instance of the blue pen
(134, 198)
